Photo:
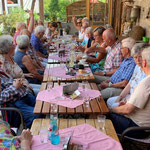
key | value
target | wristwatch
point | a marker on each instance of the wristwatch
(104, 73)
(109, 84)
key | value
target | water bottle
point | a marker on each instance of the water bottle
(55, 133)
(50, 131)
(50, 127)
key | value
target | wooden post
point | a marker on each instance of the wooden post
(22, 4)
(41, 8)
(110, 11)
(88, 9)
(3, 6)
(33, 4)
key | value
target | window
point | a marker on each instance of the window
(99, 12)
(11, 4)
(1, 9)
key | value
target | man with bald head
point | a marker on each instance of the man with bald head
(114, 56)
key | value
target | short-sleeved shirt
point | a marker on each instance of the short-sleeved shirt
(140, 98)
(137, 76)
(114, 57)
(81, 34)
(98, 66)
(36, 43)
(124, 72)
(18, 59)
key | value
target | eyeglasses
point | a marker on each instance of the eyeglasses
(79, 22)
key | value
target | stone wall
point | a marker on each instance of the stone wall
(145, 8)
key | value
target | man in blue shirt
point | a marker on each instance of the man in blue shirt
(137, 77)
(36, 41)
(115, 84)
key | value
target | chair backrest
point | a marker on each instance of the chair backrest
(14, 117)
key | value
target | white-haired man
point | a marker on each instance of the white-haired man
(116, 83)
(137, 109)
(114, 56)
(36, 41)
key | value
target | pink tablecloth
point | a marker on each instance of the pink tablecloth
(56, 57)
(60, 72)
(55, 96)
(37, 145)
(86, 135)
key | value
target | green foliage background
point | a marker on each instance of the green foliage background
(10, 20)
(56, 9)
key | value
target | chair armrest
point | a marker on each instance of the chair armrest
(132, 129)
(22, 125)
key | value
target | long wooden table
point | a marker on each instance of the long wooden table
(96, 106)
(53, 61)
(89, 77)
(39, 124)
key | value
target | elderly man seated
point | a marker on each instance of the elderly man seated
(25, 62)
(137, 76)
(114, 56)
(116, 83)
(14, 92)
(137, 109)
(36, 42)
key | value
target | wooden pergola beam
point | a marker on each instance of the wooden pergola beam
(3, 6)
(21, 1)
(88, 8)
(41, 8)
(33, 5)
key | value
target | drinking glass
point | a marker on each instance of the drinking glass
(49, 85)
(87, 101)
(43, 136)
(101, 121)
(54, 108)
(84, 84)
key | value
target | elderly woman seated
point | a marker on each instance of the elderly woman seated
(36, 41)
(25, 62)
(97, 61)
(87, 44)
(52, 32)
(8, 141)
(7, 64)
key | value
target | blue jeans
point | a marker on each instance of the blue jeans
(121, 123)
(26, 106)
